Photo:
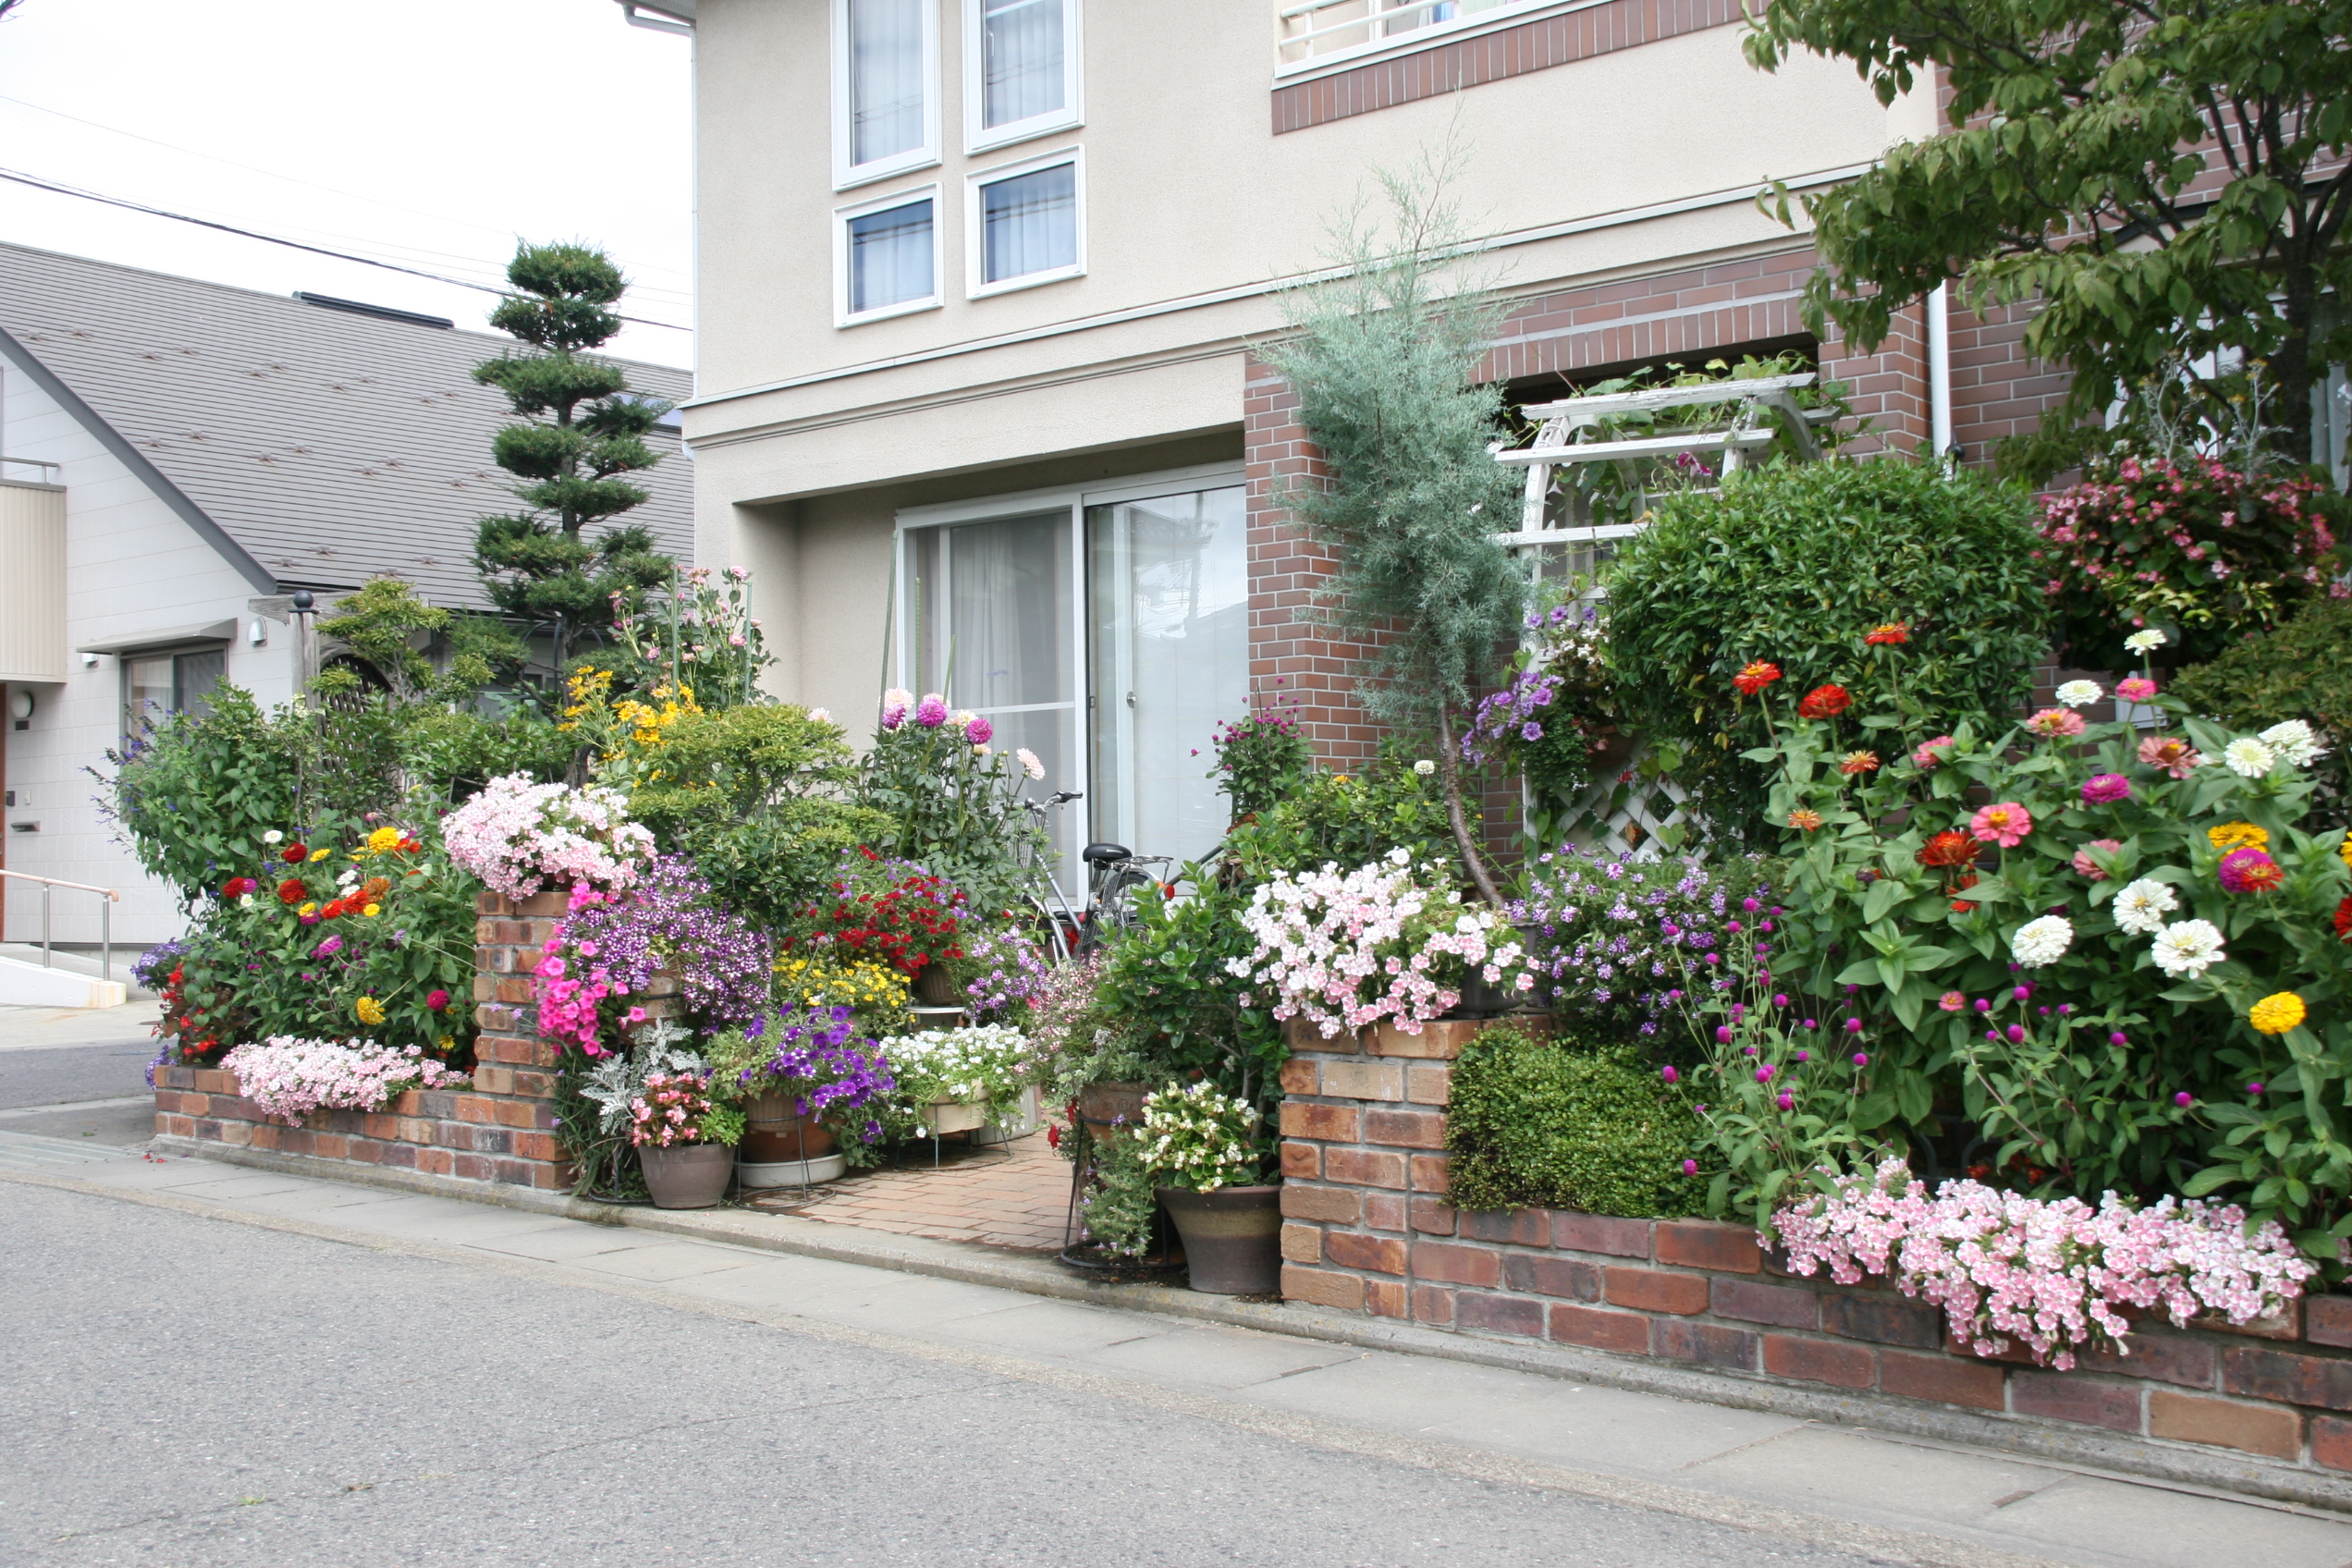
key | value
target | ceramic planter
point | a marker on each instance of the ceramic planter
(1018, 1122)
(934, 987)
(687, 1175)
(941, 1117)
(780, 1150)
(1099, 1105)
(1232, 1237)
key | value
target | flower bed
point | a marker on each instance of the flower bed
(1368, 1230)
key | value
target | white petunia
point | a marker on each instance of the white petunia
(2042, 941)
(2295, 742)
(2188, 948)
(2141, 907)
(2146, 642)
(2250, 758)
(2081, 694)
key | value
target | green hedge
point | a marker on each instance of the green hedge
(1544, 1123)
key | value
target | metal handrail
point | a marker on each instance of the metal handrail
(105, 917)
(51, 470)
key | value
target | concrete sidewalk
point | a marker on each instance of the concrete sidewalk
(1873, 1493)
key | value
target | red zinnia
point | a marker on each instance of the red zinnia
(1961, 906)
(1756, 677)
(1824, 702)
(295, 854)
(1893, 635)
(1859, 762)
(2343, 921)
(290, 891)
(1950, 847)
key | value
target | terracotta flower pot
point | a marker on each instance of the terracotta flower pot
(687, 1175)
(1232, 1237)
(1101, 1104)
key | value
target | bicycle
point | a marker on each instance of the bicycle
(1115, 877)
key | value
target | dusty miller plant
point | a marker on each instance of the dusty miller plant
(1382, 353)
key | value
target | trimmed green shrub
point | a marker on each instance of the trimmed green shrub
(1547, 1123)
(1794, 565)
(2298, 672)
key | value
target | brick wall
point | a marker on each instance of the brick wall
(1368, 1229)
(499, 1129)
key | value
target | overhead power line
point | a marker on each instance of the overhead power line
(39, 184)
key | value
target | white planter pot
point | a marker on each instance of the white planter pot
(1021, 1121)
(954, 1116)
(790, 1172)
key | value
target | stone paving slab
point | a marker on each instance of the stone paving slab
(1940, 1504)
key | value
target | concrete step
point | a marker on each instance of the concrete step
(30, 985)
(82, 961)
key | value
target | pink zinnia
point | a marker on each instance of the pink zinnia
(2090, 868)
(2251, 870)
(2135, 689)
(1932, 752)
(2005, 823)
(2171, 753)
(2104, 788)
(2056, 724)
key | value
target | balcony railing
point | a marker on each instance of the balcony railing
(31, 470)
(1318, 31)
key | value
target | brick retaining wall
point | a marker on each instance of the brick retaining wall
(500, 1129)
(1368, 1229)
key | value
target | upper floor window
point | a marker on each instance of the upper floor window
(886, 111)
(1317, 31)
(1021, 69)
(887, 256)
(1027, 223)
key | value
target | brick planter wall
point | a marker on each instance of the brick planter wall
(500, 1129)
(1368, 1229)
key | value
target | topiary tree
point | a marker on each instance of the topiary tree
(1794, 567)
(1383, 358)
(581, 433)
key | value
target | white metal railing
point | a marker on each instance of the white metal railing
(105, 918)
(1311, 33)
(44, 473)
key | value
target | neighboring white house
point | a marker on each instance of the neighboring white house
(177, 458)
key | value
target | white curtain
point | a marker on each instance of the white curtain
(1169, 581)
(1031, 222)
(891, 257)
(886, 78)
(1022, 65)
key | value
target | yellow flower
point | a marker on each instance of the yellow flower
(2238, 836)
(372, 911)
(384, 840)
(310, 908)
(2345, 852)
(317, 855)
(2277, 1013)
(371, 1011)
(448, 1043)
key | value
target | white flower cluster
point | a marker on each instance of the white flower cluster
(1198, 1137)
(2040, 943)
(519, 836)
(2183, 950)
(1379, 942)
(988, 1062)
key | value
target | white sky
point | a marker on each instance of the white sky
(432, 133)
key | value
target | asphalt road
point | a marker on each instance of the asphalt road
(60, 1076)
(189, 1392)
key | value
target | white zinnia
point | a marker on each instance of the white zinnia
(2081, 694)
(2188, 948)
(273, 837)
(1425, 767)
(2043, 941)
(2249, 758)
(2141, 907)
(2146, 642)
(2295, 742)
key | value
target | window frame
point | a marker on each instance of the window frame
(1430, 35)
(975, 235)
(979, 137)
(843, 278)
(848, 176)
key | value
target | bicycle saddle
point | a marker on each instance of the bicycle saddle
(1102, 854)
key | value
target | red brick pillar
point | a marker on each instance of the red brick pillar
(511, 1107)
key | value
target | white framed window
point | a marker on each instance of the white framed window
(886, 100)
(1019, 70)
(1025, 222)
(886, 256)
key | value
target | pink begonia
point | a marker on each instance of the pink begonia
(2005, 823)
(1321, 936)
(2054, 1274)
(292, 1077)
(519, 836)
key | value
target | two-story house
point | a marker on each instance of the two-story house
(979, 281)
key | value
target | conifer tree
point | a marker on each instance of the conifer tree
(580, 433)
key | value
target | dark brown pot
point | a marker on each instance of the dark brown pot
(933, 987)
(1101, 1104)
(1232, 1238)
(687, 1175)
(772, 1141)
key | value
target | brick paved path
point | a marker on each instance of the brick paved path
(1014, 1195)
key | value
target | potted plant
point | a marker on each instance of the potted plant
(811, 1086)
(685, 1140)
(959, 1080)
(1200, 1145)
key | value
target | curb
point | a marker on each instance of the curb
(2142, 1459)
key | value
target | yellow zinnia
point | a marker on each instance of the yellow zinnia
(320, 854)
(2238, 836)
(371, 1011)
(2344, 851)
(2277, 1013)
(310, 908)
(384, 840)
(372, 911)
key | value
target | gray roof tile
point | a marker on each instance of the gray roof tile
(331, 445)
